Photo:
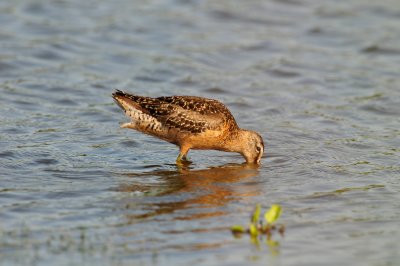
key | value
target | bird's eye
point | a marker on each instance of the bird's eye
(258, 149)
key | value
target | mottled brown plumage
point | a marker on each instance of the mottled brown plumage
(191, 123)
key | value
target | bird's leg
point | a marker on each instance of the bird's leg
(182, 157)
(128, 125)
(185, 156)
(180, 161)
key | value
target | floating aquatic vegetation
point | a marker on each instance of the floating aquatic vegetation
(266, 226)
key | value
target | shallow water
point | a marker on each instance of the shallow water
(318, 79)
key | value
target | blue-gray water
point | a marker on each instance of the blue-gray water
(320, 80)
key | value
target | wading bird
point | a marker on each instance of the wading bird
(191, 123)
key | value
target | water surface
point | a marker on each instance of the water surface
(318, 79)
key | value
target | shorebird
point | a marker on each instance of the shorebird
(190, 122)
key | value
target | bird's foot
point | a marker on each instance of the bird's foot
(127, 125)
(182, 160)
(186, 159)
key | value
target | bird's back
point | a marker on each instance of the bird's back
(174, 117)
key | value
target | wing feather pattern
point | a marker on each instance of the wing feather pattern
(185, 113)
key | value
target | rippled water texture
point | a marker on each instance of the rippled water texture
(318, 79)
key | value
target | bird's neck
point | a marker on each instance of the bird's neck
(236, 141)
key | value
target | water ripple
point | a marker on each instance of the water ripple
(317, 79)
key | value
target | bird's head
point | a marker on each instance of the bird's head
(252, 148)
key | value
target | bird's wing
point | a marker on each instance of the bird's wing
(186, 113)
(191, 114)
(198, 105)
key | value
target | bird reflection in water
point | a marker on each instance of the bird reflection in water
(184, 188)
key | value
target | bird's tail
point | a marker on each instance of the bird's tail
(128, 101)
(134, 107)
